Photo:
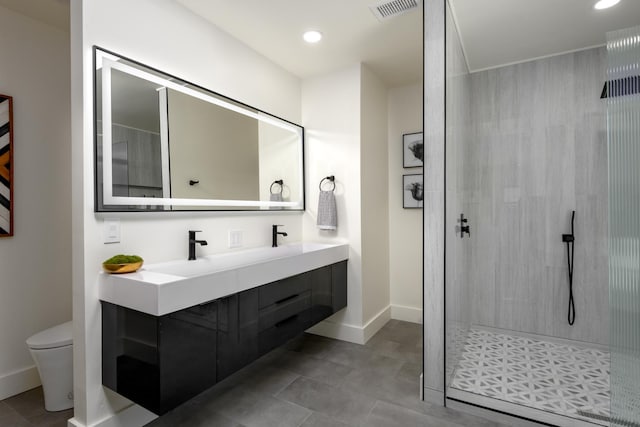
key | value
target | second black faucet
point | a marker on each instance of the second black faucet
(192, 244)
(274, 235)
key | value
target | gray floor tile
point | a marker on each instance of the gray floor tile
(6, 410)
(269, 380)
(405, 333)
(257, 410)
(318, 369)
(383, 365)
(9, 417)
(352, 356)
(410, 372)
(405, 353)
(347, 406)
(28, 404)
(459, 418)
(385, 387)
(28, 409)
(380, 343)
(313, 345)
(194, 413)
(389, 415)
(319, 420)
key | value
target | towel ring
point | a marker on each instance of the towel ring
(279, 182)
(330, 178)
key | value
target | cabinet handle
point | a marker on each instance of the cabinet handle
(280, 301)
(287, 320)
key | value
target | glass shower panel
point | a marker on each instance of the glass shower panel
(458, 304)
(623, 114)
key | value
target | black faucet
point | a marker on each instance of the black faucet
(192, 244)
(274, 235)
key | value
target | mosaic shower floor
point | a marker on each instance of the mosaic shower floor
(554, 377)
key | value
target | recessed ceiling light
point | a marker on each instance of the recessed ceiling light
(605, 4)
(312, 36)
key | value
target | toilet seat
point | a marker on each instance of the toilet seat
(58, 336)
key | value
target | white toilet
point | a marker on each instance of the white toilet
(52, 350)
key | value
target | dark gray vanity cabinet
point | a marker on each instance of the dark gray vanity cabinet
(160, 362)
(237, 332)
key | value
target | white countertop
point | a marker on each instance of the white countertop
(163, 288)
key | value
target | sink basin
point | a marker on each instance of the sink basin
(163, 288)
(233, 260)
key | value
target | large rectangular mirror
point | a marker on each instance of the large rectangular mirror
(166, 144)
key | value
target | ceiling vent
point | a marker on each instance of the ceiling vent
(391, 9)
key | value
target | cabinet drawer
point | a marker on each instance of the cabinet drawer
(283, 310)
(287, 288)
(283, 331)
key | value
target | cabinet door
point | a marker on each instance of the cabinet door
(339, 285)
(237, 332)
(321, 298)
(130, 354)
(187, 343)
(282, 290)
(285, 311)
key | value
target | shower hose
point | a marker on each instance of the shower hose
(570, 241)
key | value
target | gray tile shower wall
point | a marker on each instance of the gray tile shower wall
(537, 151)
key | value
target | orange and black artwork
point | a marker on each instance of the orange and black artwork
(6, 166)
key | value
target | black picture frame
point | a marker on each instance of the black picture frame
(413, 191)
(413, 150)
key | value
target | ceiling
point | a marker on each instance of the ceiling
(506, 31)
(493, 32)
(352, 34)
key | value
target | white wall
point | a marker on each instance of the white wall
(35, 264)
(405, 225)
(331, 117)
(345, 116)
(196, 51)
(375, 197)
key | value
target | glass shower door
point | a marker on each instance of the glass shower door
(623, 114)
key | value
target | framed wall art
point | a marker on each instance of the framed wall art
(412, 186)
(6, 166)
(413, 150)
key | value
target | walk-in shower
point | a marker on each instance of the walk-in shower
(537, 323)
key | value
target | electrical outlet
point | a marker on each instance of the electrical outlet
(235, 238)
(111, 231)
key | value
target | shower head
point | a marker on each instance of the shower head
(621, 87)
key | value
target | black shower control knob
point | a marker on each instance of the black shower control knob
(464, 228)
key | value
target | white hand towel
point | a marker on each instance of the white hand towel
(275, 197)
(327, 212)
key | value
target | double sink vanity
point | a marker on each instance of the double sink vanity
(163, 144)
(174, 329)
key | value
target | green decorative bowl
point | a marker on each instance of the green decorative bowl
(122, 268)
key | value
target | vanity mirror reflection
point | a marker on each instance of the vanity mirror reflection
(162, 143)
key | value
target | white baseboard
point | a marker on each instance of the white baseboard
(131, 416)
(352, 333)
(407, 314)
(376, 323)
(18, 382)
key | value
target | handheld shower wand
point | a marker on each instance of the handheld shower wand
(569, 239)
